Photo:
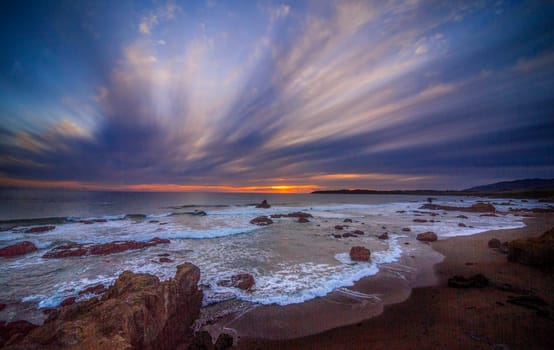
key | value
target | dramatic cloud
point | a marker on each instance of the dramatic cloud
(384, 94)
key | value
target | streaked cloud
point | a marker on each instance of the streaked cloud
(230, 96)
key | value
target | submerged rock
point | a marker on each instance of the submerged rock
(494, 243)
(359, 253)
(406, 229)
(137, 312)
(17, 249)
(427, 237)
(40, 229)
(475, 281)
(296, 214)
(383, 236)
(77, 249)
(420, 220)
(535, 251)
(347, 220)
(303, 220)
(261, 221)
(263, 205)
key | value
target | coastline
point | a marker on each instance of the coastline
(436, 316)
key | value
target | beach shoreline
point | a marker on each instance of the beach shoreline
(435, 316)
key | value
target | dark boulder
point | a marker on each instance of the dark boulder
(475, 281)
(534, 251)
(494, 243)
(243, 281)
(427, 237)
(261, 221)
(263, 205)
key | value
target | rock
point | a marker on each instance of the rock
(359, 253)
(2, 307)
(137, 312)
(68, 301)
(504, 248)
(87, 222)
(383, 236)
(427, 237)
(199, 213)
(153, 221)
(531, 302)
(303, 220)
(135, 216)
(461, 217)
(336, 235)
(165, 260)
(100, 220)
(475, 281)
(347, 220)
(98, 289)
(534, 251)
(475, 208)
(461, 224)
(491, 215)
(420, 220)
(358, 232)
(17, 249)
(348, 234)
(202, 341)
(339, 227)
(297, 214)
(76, 249)
(263, 205)
(243, 281)
(261, 221)
(13, 332)
(223, 342)
(164, 254)
(494, 243)
(406, 229)
(40, 229)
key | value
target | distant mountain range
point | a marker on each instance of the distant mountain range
(527, 188)
(515, 186)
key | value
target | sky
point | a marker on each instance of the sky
(275, 96)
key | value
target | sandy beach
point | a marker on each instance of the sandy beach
(438, 316)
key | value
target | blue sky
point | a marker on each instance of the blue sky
(321, 94)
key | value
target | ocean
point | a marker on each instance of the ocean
(291, 262)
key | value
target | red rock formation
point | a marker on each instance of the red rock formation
(137, 312)
(475, 208)
(17, 249)
(535, 251)
(13, 332)
(40, 229)
(359, 254)
(243, 281)
(68, 301)
(76, 249)
(261, 221)
(427, 237)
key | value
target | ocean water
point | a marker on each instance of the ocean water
(291, 262)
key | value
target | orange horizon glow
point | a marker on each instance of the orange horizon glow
(78, 185)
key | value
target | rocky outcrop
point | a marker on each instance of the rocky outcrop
(40, 229)
(359, 254)
(535, 251)
(243, 281)
(98, 289)
(263, 205)
(17, 249)
(475, 208)
(494, 243)
(261, 221)
(12, 332)
(77, 249)
(475, 281)
(427, 237)
(137, 312)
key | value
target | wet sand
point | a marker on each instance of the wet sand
(431, 317)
